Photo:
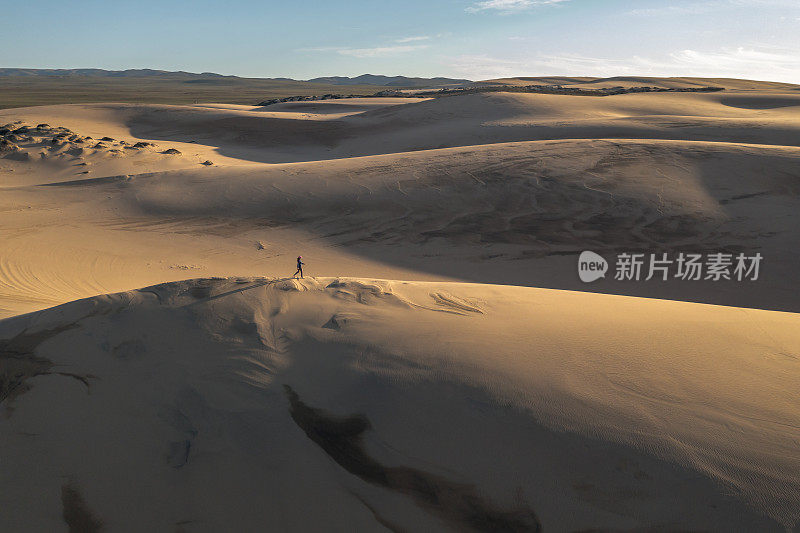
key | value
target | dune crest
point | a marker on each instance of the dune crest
(242, 387)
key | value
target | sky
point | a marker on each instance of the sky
(473, 39)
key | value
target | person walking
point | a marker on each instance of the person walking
(299, 266)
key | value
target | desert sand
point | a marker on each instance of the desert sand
(441, 366)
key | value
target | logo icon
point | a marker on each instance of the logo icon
(591, 266)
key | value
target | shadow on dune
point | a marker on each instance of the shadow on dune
(528, 207)
(521, 214)
(250, 138)
(455, 121)
(761, 102)
(458, 504)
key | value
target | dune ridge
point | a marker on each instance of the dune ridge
(535, 362)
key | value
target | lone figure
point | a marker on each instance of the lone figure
(299, 266)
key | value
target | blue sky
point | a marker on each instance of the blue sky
(476, 39)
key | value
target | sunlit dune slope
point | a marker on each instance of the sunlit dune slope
(341, 404)
(502, 213)
(302, 131)
(729, 84)
(498, 187)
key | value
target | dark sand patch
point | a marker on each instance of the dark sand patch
(76, 513)
(458, 504)
(18, 362)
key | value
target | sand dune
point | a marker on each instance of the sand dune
(484, 210)
(285, 133)
(730, 84)
(466, 399)
(502, 213)
(595, 412)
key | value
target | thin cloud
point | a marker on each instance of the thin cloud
(768, 62)
(483, 66)
(509, 6)
(707, 6)
(377, 51)
(402, 45)
(756, 62)
(698, 8)
(320, 49)
(381, 51)
(412, 39)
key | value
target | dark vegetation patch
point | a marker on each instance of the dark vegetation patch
(76, 512)
(535, 89)
(178, 453)
(18, 362)
(559, 89)
(458, 504)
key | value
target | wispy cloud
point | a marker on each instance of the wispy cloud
(483, 66)
(509, 6)
(320, 49)
(696, 8)
(769, 62)
(756, 62)
(381, 51)
(403, 45)
(706, 6)
(377, 51)
(412, 39)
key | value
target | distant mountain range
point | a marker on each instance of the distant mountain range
(101, 73)
(364, 79)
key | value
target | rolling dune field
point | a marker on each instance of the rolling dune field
(441, 366)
